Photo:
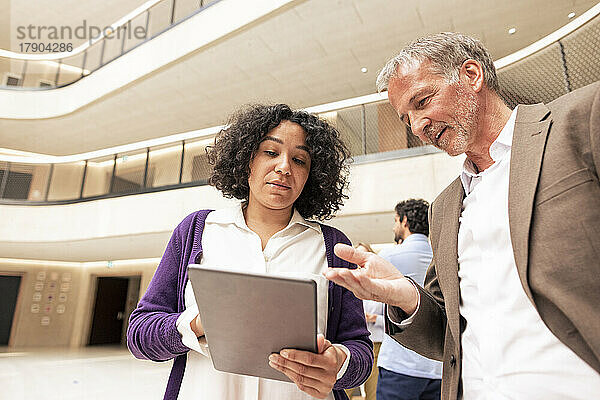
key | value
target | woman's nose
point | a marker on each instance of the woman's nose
(283, 165)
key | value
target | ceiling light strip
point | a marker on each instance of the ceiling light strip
(43, 159)
(355, 101)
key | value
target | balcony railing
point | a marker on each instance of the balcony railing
(31, 70)
(566, 60)
(370, 127)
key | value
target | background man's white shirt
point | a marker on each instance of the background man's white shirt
(412, 258)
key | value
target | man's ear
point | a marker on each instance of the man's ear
(472, 72)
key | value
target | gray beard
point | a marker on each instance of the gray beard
(465, 118)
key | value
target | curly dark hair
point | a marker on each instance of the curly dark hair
(415, 211)
(236, 145)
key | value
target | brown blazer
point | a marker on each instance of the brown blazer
(554, 217)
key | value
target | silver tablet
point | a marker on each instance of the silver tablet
(248, 316)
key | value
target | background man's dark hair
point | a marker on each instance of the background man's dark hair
(415, 211)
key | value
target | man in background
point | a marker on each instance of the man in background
(404, 374)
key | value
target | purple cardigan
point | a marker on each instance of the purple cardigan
(153, 335)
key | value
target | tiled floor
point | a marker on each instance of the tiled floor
(107, 373)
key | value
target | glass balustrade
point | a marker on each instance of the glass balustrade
(35, 68)
(367, 129)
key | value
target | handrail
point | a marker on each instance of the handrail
(75, 63)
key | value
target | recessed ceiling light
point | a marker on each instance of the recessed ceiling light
(364, 70)
(512, 30)
(571, 15)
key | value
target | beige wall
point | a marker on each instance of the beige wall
(38, 321)
(164, 164)
(5, 27)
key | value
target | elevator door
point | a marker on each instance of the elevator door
(109, 311)
(9, 290)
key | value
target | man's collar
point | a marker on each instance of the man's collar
(414, 236)
(498, 149)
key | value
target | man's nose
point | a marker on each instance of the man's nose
(418, 125)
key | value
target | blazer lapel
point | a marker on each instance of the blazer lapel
(529, 140)
(447, 263)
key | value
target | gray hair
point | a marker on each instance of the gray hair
(447, 51)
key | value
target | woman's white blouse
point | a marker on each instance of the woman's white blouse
(299, 251)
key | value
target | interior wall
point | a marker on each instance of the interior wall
(133, 295)
(39, 179)
(46, 303)
(55, 301)
(164, 164)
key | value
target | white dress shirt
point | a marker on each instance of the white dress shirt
(299, 251)
(377, 328)
(508, 352)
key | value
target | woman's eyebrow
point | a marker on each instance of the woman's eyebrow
(267, 137)
(276, 140)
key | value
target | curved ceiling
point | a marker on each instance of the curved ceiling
(305, 55)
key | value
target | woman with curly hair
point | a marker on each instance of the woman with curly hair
(287, 167)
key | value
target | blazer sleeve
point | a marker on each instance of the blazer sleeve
(152, 332)
(425, 334)
(595, 131)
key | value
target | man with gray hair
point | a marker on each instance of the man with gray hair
(510, 300)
